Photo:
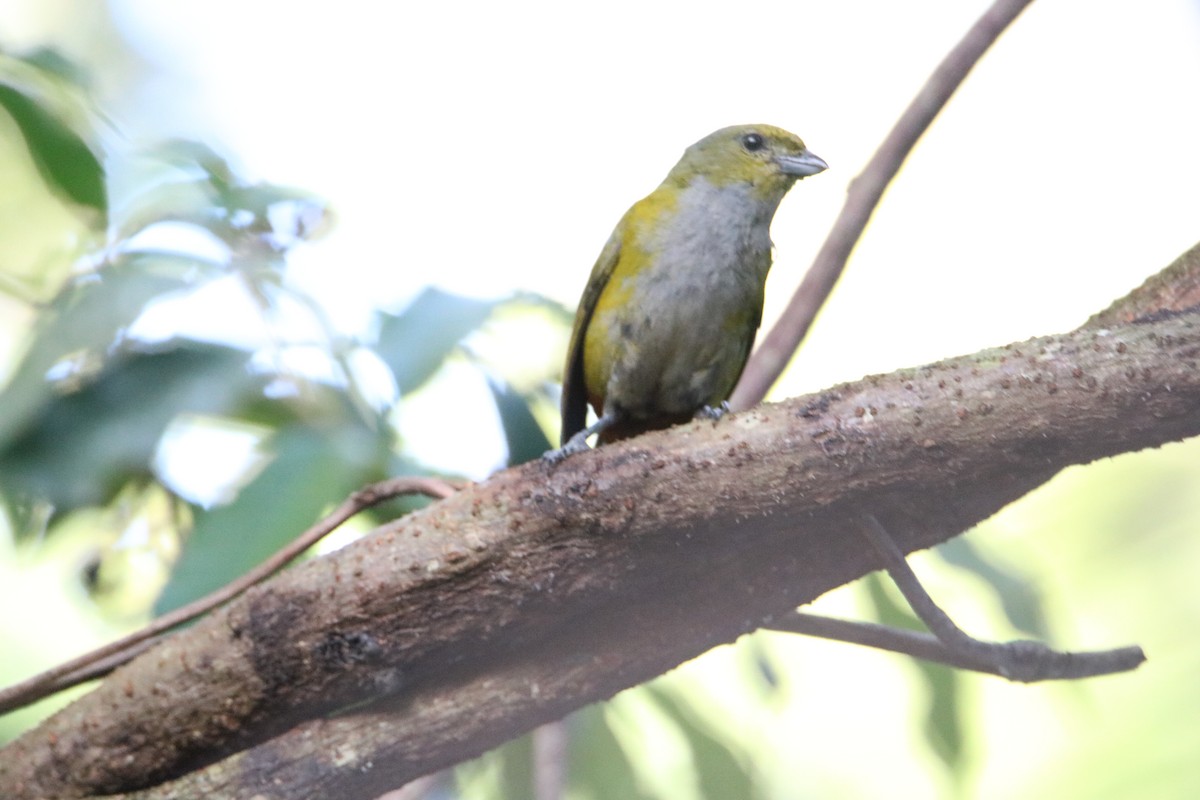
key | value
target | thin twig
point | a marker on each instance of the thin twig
(1024, 661)
(928, 647)
(862, 197)
(938, 621)
(103, 660)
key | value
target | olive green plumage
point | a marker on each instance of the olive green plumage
(670, 311)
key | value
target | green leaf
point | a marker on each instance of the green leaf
(190, 183)
(83, 445)
(943, 725)
(310, 470)
(719, 774)
(525, 438)
(189, 155)
(499, 774)
(415, 342)
(52, 62)
(598, 767)
(1018, 599)
(943, 720)
(62, 158)
(87, 317)
(192, 201)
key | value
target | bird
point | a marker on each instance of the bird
(672, 306)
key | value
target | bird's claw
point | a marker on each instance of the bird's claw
(713, 413)
(576, 444)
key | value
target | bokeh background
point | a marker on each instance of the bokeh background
(284, 182)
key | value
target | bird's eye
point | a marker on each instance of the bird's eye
(753, 142)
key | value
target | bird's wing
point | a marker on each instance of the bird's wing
(574, 391)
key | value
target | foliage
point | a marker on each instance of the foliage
(103, 402)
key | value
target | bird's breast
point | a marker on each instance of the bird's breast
(691, 287)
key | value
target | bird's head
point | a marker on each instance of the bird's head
(768, 158)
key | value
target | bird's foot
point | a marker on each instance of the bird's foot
(714, 413)
(576, 444)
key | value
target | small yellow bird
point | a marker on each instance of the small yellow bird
(669, 314)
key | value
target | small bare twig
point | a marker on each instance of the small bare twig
(105, 659)
(862, 197)
(1024, 661)
(928, 647)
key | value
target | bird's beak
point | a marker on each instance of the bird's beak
(801, 165)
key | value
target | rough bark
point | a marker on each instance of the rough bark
(543, 589)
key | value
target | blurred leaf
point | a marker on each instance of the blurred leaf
(100, 304)
(505, 772)
(943, 724)
(556, 309)
(188, 154)
(190, 201)
(27, 516)
(62, 158)
(525, 438)
(188, 182)
(718, 773)
(82, 446)
(87, 317)
(311, 469)
(599, 769)
(260, 198)
(415, 342)
(1018, 598)
(49, 60)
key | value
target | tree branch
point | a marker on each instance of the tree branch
(1022, 660)
(928, 647)
(543, 589)
(103, 660)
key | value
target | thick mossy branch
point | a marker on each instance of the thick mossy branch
(547, 588)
